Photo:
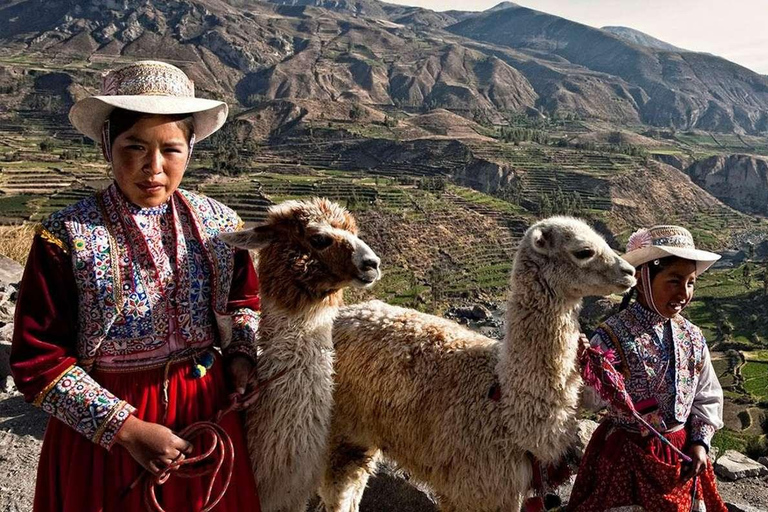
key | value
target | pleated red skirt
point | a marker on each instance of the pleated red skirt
(620, 469)
(75, 474)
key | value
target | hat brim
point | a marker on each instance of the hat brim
(703, 259)
(88, 115)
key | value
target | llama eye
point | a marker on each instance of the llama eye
(320, 241)
(584, 254)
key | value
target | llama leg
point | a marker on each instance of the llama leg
(350, 465)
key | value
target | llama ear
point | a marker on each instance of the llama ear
(256, 238)
(541, 241)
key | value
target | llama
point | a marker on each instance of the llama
(423, 391)
(308, 252)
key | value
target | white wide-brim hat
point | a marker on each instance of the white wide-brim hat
(149, 87)
(661, 241)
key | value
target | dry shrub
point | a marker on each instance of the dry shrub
(15, 241)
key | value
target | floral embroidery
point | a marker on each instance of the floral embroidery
(130, 289)
(245, 324)
(701, 430)
(664, 359)
(80, 402)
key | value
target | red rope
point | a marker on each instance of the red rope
(221, 454)
(217, 459)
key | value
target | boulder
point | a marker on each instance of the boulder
(741, 507)
(10, 271)
(733, 465)
(763, 461)
(477, 312)
(7, 310)
(583, 434)
(7, 385)
(5, 356)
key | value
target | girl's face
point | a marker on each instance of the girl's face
(149, 160)
(672, 288)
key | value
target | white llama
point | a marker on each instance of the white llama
(419, 389)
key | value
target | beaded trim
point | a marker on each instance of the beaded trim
(42, 394)
(114, 248)
(149, 78)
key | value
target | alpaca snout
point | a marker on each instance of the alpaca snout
(627, 272)
(368, 265)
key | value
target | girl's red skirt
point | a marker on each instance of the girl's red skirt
(75, 474)
(621, 469)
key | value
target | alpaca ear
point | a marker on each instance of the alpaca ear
(256, 238)
(541, 241)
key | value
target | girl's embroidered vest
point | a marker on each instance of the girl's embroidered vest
(631, 339)
(124, 314)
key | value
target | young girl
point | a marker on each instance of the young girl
(670, 378)
(120, 306)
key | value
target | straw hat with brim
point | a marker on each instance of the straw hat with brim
(149, 87)
(661, 241)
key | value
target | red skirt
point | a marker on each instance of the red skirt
(620, 469)
(75, 474)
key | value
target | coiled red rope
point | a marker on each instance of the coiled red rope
(216, 461)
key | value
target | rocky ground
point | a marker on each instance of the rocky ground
(22, 427)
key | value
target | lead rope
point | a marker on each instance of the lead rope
(218, 457)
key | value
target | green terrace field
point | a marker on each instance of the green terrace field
(436, 245)
(731, 314)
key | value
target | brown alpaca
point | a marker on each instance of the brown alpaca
(308, 252)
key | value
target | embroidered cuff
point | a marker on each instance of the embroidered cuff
(245, 324)
(80, 402)
(701, 431)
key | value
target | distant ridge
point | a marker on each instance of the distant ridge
(642, 39)
(509, 59)
(502, 6)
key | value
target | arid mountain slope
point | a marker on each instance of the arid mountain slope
(508, 59)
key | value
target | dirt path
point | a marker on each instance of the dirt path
(21, 434)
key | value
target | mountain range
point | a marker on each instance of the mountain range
(509, 59)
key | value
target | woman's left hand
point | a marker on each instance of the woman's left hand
(240, 370)
(698, 455)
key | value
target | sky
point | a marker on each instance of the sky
(734, 29)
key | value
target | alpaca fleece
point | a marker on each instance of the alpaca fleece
(415, 388)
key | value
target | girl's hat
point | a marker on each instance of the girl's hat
(661, 241)
(149, 87)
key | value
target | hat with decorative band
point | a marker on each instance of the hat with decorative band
(150, 87)
(661, 241)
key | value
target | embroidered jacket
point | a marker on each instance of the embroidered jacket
(666, 360)
(117, 287)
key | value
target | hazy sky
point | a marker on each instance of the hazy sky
(734, 29)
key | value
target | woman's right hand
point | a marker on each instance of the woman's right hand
(152, 445)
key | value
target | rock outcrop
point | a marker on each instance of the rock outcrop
(740, 181)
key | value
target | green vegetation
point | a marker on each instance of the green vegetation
(730, 314)
(755, 375)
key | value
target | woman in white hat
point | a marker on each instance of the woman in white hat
(124, 296)
(670, 378)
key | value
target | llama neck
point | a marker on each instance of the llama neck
(537, 367)
(309, 325)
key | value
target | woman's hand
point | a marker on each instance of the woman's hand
(153, 446)
(698, 455)
(240, 370)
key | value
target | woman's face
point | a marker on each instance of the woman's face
(672, 288)
(149, 160)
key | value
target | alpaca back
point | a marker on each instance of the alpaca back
(401, 386)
